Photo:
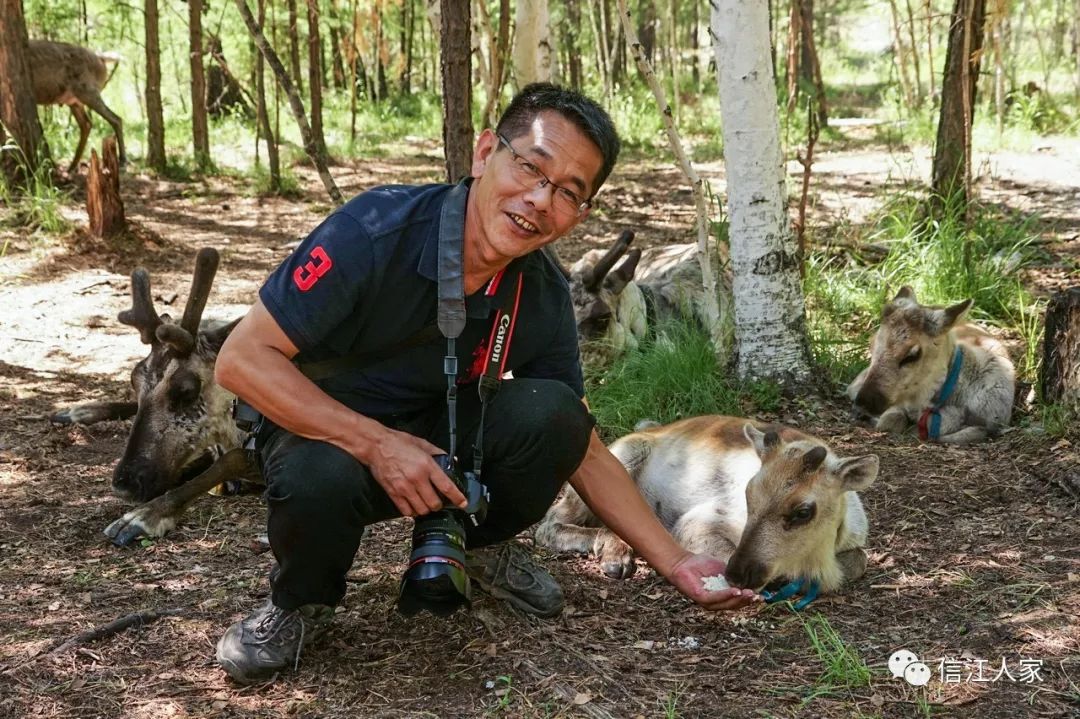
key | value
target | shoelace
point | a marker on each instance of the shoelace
(272, 623)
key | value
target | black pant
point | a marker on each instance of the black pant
(320, 497)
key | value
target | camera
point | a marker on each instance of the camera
(435, 579)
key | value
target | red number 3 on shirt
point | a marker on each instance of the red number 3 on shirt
(305, 277)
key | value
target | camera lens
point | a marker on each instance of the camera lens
(435, 579)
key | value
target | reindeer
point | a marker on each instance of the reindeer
(614, 310)
(952, 379)
(183, 441)
(65, 74)
(769, 500)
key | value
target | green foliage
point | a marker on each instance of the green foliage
(1059, 420)
(674, 374)
(942, 260)
(843, 667)
(37, 205)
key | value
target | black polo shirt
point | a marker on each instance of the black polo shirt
(366, 279)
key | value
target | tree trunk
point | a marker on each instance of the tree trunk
(602, 62)
(18, 112)
(155, 118)
(273, 161)
(405, 84)
(809, 67)
(770, 320)
(1060, 374)
(572, 27)
(295, 103)
(103, 203)
(335, 45)
(900, 55)
(456, 53)
(532, 42)
(914, 54)
(315, 76)
(952, 151)
(200, 134)
(294, 44)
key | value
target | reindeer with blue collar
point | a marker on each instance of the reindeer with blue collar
(950, 379)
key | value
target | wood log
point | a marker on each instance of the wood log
(103, 203)
(1060, 372)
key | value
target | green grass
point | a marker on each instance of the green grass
(943, 260)
(674, 374)
(843, 667)
(37, 206)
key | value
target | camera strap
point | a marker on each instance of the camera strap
(498, 349)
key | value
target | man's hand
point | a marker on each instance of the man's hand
(405, 468)
(687, 574)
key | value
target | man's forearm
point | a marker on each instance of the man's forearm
(604, 485)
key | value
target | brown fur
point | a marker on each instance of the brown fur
(732, 488)
(910, 356)
(65, 74)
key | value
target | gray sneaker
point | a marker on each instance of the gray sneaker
(270, 639)
(508, 571)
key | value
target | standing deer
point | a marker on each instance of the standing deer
(183, 441)
(65, 74)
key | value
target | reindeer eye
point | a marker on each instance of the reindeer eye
(800, 515)
(913, 355)
(184, 389)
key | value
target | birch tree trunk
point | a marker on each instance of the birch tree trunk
(532, 43)
(770, 319)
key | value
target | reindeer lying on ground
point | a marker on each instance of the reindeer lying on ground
(183, 441)
(616, 302)
(64, 74)
(953, 380)
(769, 500)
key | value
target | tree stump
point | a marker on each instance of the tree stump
(1061, 349)
(103, 203)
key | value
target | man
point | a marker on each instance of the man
(357, 447)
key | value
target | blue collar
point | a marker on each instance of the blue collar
(929, 424)
(949, 387)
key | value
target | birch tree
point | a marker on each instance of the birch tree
(770, 319)
(532, 42)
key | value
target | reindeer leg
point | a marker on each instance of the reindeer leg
(83, 121)
(92, 99)
(158, 516)
(852, 562)
(703, 530)
(94, 412)
(568, 526)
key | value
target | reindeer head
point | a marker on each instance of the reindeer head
(184, 421)
(909, 354)
(605, 317)
(795, 506)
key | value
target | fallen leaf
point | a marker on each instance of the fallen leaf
(644, 644)
(54, 606)
(582, 698)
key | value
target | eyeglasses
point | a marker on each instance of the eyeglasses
(530, 176)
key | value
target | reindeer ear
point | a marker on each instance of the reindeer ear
(952, 314)
(764, 442)
(857, 473)
(214, 338)
(813, 459)
(905, 293)
(620, 277)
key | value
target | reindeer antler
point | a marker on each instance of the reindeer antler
(206, 264)
(592, 278)
(142, 315)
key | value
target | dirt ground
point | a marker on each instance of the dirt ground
(975, 552)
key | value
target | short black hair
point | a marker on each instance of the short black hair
(584, 112)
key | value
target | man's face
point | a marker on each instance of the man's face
(510, 216)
